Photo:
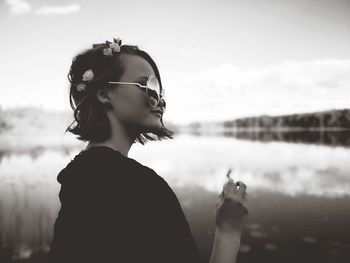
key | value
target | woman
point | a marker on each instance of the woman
(114, 209)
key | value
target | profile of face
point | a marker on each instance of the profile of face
(129, 102)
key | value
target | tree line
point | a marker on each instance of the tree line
(320, 120)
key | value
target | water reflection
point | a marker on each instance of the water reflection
(275, 166)
(298, 195)
(36, 151)
(280, 228)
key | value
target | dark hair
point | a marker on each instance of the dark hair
(90, 118)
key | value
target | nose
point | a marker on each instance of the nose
(162, 103)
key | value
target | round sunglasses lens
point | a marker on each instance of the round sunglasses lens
(153, 90)
(153, 97)
(153, 84)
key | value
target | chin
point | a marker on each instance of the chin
(152, 125)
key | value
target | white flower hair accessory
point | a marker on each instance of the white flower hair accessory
(107, 51)
(88, 76)
(115, 47)
(112, 47)
(81, 87)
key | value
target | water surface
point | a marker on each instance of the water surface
(298, 195)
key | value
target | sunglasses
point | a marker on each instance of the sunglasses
(152, 89)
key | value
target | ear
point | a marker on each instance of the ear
(102, 96)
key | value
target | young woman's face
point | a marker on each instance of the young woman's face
(130, 104)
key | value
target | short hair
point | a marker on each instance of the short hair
(90, 119)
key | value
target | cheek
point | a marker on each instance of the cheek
(131, 106)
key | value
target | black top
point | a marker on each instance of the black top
(113, 209)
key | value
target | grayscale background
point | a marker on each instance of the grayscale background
(259, 87)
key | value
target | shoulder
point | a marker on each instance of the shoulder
(90, 163)
(107, 157)
(107, 165)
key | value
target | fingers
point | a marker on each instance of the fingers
(231, 188)
(242, 188)
(236, 191)
(226, 188)
(242, 191)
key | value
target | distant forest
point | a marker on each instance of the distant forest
(322, 120)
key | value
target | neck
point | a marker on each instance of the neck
(120, 140)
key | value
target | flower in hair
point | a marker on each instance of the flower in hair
(88, 75)
(107, 51)
(115, 47)
(112, 47)
(81, 87)
(118, 41)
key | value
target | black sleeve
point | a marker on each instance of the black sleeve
(174, 237)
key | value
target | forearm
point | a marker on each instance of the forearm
(225, 247)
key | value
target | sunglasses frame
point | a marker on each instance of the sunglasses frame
(143, 87)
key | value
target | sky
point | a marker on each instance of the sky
(218, 60)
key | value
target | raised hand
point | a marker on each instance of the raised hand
(231, 207)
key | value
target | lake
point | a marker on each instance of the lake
(298, 194)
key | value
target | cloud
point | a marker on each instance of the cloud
(227, 92)
(21, 7)
(58, 10)
(18, 7)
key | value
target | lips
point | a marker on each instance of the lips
(158, 112)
